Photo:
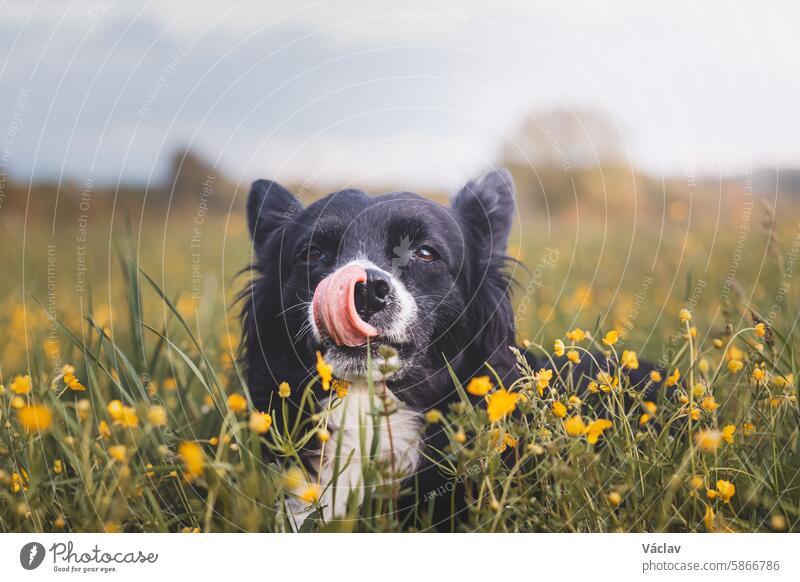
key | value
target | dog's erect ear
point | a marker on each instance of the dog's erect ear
(269, 206)
(488, 205)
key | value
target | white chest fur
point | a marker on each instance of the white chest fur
(354, 430)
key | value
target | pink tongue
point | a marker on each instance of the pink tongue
(334, 307)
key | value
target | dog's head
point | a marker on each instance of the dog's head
(395, 270)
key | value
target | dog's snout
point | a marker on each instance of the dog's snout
(372, 295)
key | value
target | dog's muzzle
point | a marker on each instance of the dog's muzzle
(345, 300)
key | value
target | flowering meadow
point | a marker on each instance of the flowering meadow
(125, 409)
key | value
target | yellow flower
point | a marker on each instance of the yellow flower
(543, 377)
(104, 430)
(116, 409)
(761, 330)
(559, 409)
(734, 353)
(735, 366)
(35, 417)
(128, 418)
(573, 356)
(718, 343)
(213, 441)
(703, 365)
(708, 518)
(576, 335)
(685, 315)
(72, 382)
(479, 386)
(574, 401)
(21, 384)
(673, 378)
(629, 360)
(325, 372)
(293, 478)
(433, 416)
(118, 452)
(655, 376)
(193, 458)
(748, 428)
(558, 347)
(644, 419)
(708, 440)
(323, 435)
(614, 498)
(237, 403)
(694, 414)
(284, 391)
(170, 384)
(783, 381)
(509, 441)
(650, 407)
(594, 387)
(611, 337)
(696, 482)
(260, 422)
(58, 466)
(758, 374)
(157, 415)
(727, 433)
(501, 403)
(341, 387)
(595, 429)
(709, 403)
(460, 437)
(310, 493)
(574, 426)
(726, 490)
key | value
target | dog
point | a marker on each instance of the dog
(427, 285)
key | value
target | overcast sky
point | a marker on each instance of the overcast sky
(424, 94)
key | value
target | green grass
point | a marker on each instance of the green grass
(136, 336)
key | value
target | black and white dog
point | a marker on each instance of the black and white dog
(395, 270)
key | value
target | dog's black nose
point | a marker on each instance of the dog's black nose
(373, 295)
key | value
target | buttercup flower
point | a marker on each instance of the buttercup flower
(260, 422)
(558, 347)
(576, 335)
(543, 377)
(629, 360)
(433, 416)
(21, 384)
(559, 409)
(574, 426)
(157, 415)
(193, 458)
(479, 386)
(341, 387)
(685, 315)
(708, 440)
(727, 433)
(237, 403)
(573, 356)
(118, 452)
(735, 366)
(758, 374)
(709, 404)
(748, 428)
(708, 518)
(284, 391)
(614, 498)
(655, 376)
(310, 493)
(725, 490)
(325, 372)
(323, 435)
(761, 330)
(35, 417)
(596, 428)
(501, 403)
(71, 381)
(611, 337)
(673, 378)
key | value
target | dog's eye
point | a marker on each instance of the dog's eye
(426, 254)
(312, 254)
